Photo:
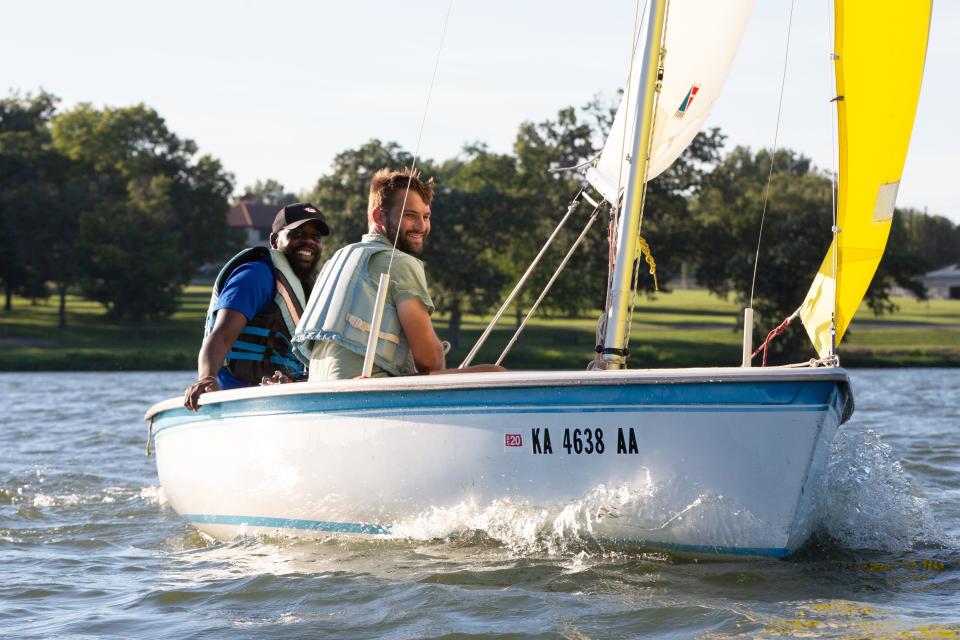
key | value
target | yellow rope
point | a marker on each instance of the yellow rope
(645, 250)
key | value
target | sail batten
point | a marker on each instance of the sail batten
(880, 52)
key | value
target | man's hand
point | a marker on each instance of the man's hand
(214, 349)
(418, 328)
(278, 377)
(191, 397)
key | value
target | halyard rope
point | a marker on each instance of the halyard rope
(644, 249)
(423, 122)
(773, 153)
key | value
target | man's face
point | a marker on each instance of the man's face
(412, 224)
(301, 246)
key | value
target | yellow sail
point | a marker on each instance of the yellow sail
(880, 50)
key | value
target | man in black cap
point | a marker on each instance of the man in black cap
(257, 300)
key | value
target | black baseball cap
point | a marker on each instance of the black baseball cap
(299, 213)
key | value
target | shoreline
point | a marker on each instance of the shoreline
(684, 328)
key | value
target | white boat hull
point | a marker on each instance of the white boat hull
(716, 461)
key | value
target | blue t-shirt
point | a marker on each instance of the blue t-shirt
(248, 290)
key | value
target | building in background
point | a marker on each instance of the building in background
(944, 283)
(255, 220)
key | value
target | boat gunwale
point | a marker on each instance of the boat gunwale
(523, 379)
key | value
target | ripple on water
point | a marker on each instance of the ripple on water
(89, 548)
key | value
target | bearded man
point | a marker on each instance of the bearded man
(257, 300)
(336, 322)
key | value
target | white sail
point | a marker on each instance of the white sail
(702, 37)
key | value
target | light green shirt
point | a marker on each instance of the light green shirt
(330, 361)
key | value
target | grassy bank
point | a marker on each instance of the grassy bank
(683, 328)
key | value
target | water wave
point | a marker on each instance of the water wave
(870, 502)
(866, 501)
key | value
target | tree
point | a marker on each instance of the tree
(152, 211)
(270, 192)
(342, 194)
(470, 212)
(544, 187)
(724, 223)
(569, 141)
(935, 239)
(476, 218)
(26, 167)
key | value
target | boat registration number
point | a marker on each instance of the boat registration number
(577, 441)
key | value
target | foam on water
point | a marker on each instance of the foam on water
(572, 528)
(866, 501)
(869, 501)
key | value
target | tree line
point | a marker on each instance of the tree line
(112, 204)
(109, 201)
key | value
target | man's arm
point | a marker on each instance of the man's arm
(418, 328)
(215, 348)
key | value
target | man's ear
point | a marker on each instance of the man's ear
(273, 240)
(379, 217)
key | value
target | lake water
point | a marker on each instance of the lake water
(88, 549)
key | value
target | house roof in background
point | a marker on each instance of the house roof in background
(951, 272)
(247, 214)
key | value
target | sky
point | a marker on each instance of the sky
(276, 90)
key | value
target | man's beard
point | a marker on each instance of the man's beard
(401, 242)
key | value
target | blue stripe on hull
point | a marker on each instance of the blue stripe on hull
(287, 523)
(376, 529)
(736, 396)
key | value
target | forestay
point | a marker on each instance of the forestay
(881, 46)
(702, 37)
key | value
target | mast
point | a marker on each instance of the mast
(615, 351)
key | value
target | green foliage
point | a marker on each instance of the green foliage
(270, 192)
(932, 238)
(133, 266)
(724, 223)
(150, 212)
(492, 212)
(683, 328)
(342, 194)
(28, 175)
(475, 218)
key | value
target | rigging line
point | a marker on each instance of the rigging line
(643, 192)
(423, 122)
(546, 288)
(523, 279)
(833, 109)
(773, 152)
(577, 167)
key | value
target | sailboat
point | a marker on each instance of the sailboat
(708, 461)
